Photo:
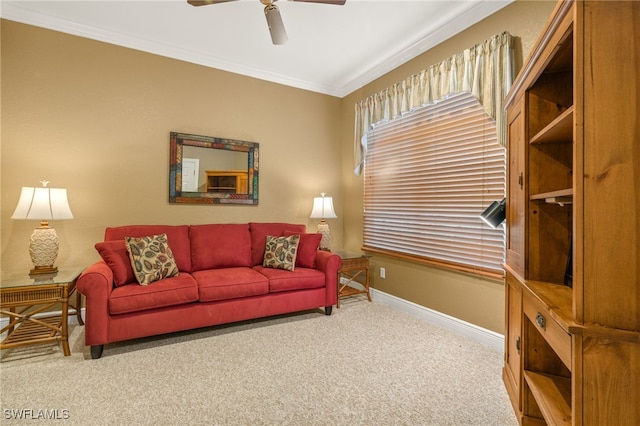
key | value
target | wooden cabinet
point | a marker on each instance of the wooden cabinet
(572, 353)
(227, 181)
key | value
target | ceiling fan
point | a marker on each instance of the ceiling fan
(272, 13)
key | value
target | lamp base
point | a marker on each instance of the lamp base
(43, 248)
(41, 270)
(323, 229)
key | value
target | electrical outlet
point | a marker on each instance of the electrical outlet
(383, 272)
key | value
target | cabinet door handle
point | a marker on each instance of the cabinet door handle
(540, 320)
(518, 344)
(520, 180)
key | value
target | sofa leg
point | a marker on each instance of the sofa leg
(96, 351)
(328, 309)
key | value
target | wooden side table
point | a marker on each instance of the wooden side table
(354, 265)
(24, 297)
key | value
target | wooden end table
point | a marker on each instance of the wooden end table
(354, 265)
(27, 299)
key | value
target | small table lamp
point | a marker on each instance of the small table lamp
(43, 204)
(323, 209)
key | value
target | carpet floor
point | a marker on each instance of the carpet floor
(367, 364)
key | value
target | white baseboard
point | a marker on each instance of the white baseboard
(472, 331)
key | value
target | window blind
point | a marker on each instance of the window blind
(427, 178)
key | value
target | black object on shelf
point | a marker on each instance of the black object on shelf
(568, 272)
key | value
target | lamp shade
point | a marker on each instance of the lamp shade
(494, 215)
(43, 204)
(323, 208)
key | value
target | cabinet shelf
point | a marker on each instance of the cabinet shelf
(562, 197)
(558, 131)
(553, 396)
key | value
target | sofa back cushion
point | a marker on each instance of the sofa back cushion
(259, 233)
(220, 246)
(177, 238)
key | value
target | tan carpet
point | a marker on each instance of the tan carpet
(367, 364)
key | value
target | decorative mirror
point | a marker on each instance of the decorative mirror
(210, 170)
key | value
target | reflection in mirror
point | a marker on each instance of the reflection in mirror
(210, 170)
(197, 162)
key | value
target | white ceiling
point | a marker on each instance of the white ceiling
(331, 49)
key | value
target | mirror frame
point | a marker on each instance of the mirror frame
(176, 144)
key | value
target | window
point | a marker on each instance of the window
(427, 178)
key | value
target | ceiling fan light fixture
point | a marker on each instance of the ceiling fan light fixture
(276, 26)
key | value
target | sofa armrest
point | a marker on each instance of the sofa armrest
(96, 284)
(329, 263)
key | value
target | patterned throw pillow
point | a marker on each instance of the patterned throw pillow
(280, 252)
(151, 258)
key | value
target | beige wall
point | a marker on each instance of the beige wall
(476, 300)
(95, 118)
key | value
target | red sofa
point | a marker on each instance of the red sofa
(221, 280)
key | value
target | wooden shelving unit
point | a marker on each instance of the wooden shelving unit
(227, 181)
(572, 205)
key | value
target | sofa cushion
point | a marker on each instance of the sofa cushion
(173, 291)
(177, 236)
(115, 255)
(280, 252)
(230, 283)
(151, 258)
(300, 279)
(259, 232)
(220, 246)
(307, 249)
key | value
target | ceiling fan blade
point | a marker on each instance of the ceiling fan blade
(336, 2)
(276, 26)
(206, 2)
(272, 13)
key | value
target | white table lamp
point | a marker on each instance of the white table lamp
(43, 204)
(323, 209)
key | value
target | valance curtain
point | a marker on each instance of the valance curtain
(485, 70)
